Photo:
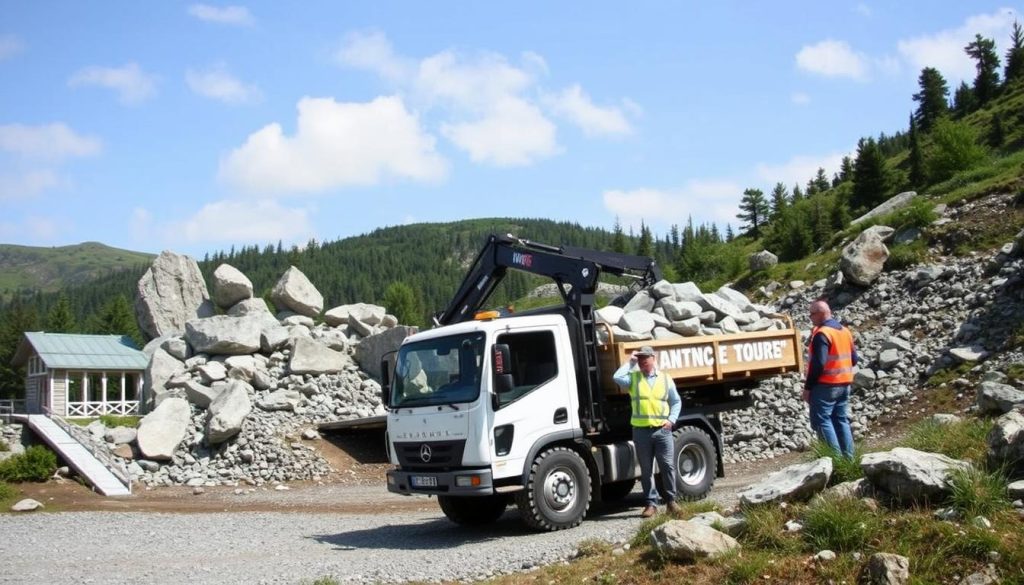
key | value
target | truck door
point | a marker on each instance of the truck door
(539, 403)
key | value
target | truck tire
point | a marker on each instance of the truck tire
(696, 463)
(473, 510)
(616, 491)
(557, 493)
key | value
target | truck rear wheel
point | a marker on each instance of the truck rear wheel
(696, 463)
(557, 493)
(473, 510)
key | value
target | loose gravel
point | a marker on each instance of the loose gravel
(272, 548)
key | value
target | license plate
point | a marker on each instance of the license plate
(423, 481)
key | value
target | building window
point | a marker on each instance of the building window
(75, 383)
(94, 386)
(36, 366)
(131, 385)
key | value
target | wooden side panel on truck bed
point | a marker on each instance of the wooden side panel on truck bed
(711, 359)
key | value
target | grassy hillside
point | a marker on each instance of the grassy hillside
(52, 269)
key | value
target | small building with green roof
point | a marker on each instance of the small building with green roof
(76, 375)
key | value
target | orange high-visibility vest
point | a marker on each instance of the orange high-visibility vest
(839, 363)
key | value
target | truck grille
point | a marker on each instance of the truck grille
(441, 454)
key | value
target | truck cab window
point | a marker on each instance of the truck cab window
(534, 361)
(445, 370)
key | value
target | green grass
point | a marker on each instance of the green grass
(843, 469)
(976, 492)
(904, 256)
(7, 494)
(947, 375)
(53, 268)
(960, 440)
(37, 463)
(109, 420)
(4, 446)
(1016, 371)
(839, 524)
(766, 529)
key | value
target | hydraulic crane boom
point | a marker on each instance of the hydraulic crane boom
(575, 272)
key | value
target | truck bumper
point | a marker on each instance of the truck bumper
(464, 482)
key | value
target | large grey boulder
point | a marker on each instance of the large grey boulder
(159, 371)
(171, 292)
(310, 357)
(794, 483)
(228, 412)
(762, 260)
(911, 475)
(223, 334)
(371, 349)
(282, 399)
(120, 435)
(637, 322)
(996, 398)
(681, 540)
(1006, 443)
(609, 314)
(863, 259)
(738, 299)
(734, 526)
(891, 204)
(888, 569)
(253, 306)
(230, 286)
(161, 431)
(641, 301)
(202, 395)
(680, 310)
(720, 306)
(294, 292)
(688, 291)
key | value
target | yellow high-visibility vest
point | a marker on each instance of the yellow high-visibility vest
(650, 403)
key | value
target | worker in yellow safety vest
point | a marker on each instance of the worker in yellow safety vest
(655, 407)
(831, 356)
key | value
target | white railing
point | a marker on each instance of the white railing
(127, 408)
(12, 405)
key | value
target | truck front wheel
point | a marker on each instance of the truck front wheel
(557, 493)
(696, 463)
(473, 510)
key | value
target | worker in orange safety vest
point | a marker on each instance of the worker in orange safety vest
(830, 360)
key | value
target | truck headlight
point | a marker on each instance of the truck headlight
(467, 480)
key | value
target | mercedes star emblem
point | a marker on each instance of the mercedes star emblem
(425, 453)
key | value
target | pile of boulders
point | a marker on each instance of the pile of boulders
(236, 396)
(951, 314)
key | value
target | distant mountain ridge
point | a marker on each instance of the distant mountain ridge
(50, 269)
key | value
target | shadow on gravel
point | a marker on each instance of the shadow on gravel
(439, 533)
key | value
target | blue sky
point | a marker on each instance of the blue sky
(194, 127)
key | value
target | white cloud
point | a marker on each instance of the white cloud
(513, 133)
(944, 50)
(242, 221)
(10, 46)
(373, 52)
(52, 142)
(800, 98)
(576, 105)
(833, 59)
(218, 84)
(470, 84)
(335, 145)
(800, 169)
(132, 84)
(27, 185)
(703, 200)
(232, 15)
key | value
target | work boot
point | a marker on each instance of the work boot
(673, 508)
(648, 511)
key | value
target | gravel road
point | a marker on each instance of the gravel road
(366, 535)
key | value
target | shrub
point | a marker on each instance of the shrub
(975, 492)
(4, 446)
(955, 148)
(7, 492)
(843, 469)
(37, 463)
(904, 256)
(593, 547)
(839, 524)
(961, 440)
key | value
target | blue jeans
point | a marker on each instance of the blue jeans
(651, 442)
(829, 418)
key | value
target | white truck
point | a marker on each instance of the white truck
(489, 409)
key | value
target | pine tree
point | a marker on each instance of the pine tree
(846, 169)
(753, 211)
(996, 133)
(964, 101)
(932, 99)
(674, 235)
(780, 200)
(798, 195)
(1014, 56)
(115, 318)
(60, 318)
(821, 182)
(401, 300)
(870, 177)
(618, 238)
(915, 159)
(729, 236)
(840, 214)
(645, 247)
(16, 319)
(986, 83)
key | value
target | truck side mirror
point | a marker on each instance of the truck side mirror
(385, 379)
(501, 365)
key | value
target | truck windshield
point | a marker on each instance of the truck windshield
(438, 371)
